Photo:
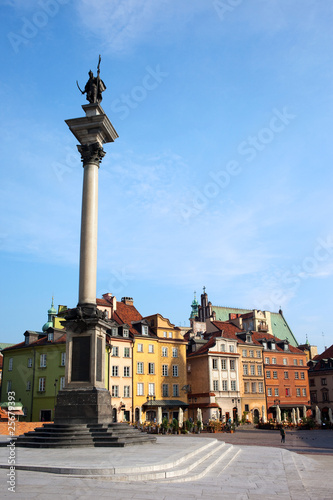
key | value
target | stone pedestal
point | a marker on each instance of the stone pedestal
(83, 406)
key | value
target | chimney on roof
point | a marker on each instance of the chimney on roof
(128, 301)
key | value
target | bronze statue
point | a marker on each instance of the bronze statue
(94, 86)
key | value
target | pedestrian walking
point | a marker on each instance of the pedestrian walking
(283, 434)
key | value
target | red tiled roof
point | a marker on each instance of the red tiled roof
(42, 341)
(103, 302)
(325, 355)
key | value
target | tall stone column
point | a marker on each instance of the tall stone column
(85, 398)
(91, 155)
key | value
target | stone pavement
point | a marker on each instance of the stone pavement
(232, 471)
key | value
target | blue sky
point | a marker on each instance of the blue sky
(221, 175)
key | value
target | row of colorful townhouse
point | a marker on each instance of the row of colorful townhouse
(222, 367)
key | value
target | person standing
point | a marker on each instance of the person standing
(283, 434)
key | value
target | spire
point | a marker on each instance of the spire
(194, 307)
(51, 313)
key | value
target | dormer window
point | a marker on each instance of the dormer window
(144, 330)
(248, 338)
(286, 347)
(264, 344)
(114, 331)
(273, 346)
(50, 337)
(125, 332)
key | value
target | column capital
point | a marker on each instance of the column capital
(91, 153)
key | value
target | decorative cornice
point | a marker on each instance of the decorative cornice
(91, 153)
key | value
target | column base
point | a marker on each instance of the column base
(83, 406)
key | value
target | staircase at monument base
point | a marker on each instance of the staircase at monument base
(82, 435)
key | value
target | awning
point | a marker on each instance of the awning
(165, 403)
(16, 405)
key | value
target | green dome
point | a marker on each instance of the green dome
(50, 315)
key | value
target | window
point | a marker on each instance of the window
(10, 364)
(287, 391)
(301, 362)
(140, 347)
(231, 348)
(151, 348)
(223, 364)
(175, 352)
(165, 390)
(62, 382)
(295, 361)
(115, 391)
(244, 353)
(29, 385)
(223, 348)
(125, 332)
(170, 335)
(29, 362)
(151, 368)
(164, 352)
(245, 370)
(175, 370)
(42, 361)
(127, 371)
(114, 331)
(233, 385)
(267, 361)
(9, 386)
(302, 375)
(268, 374)
(165, 370)
(323, 380)
(247, 387)
(246, 408)
(253, 387)
(296, 375)
(63, 359)
(276, 392)
(41, 384)
(273, 361)
(139, 389)
(214, 364)
(275, 374)
(259, 369)
(273, 346)
(127, 393)
(251, 354)
(286, 375)
(325, 396)
(151, 389)
(304, 391)
(175, 390)
(313, 396)
(50, 337)
(298, 391)
(312, 382)
(285, 361)
(139, 369)
(115, 351)
(115, 371)
(215, 385)
(224, 385)
(126, 352)
(269, 391)
(260, 387)
(252, 369)
(144, 330)
(258, 354)
(232, 364)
